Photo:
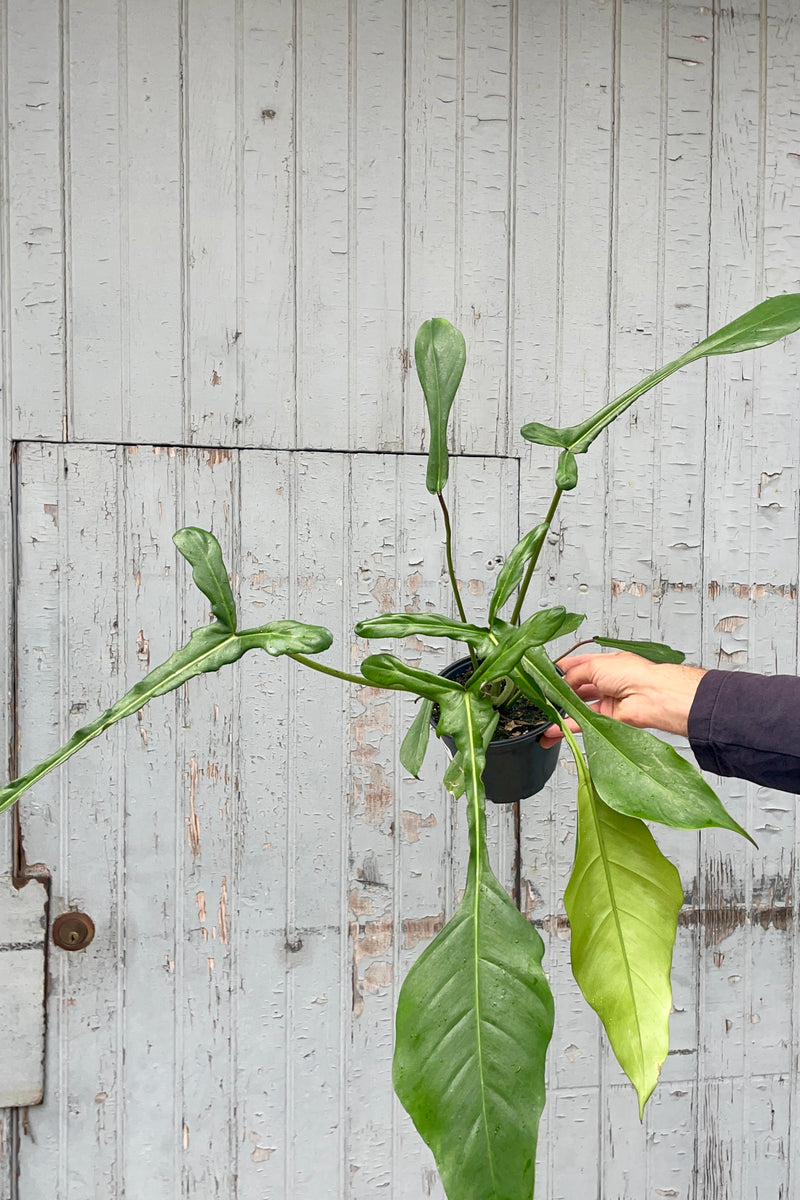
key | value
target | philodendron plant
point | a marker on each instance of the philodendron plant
(475, 1013)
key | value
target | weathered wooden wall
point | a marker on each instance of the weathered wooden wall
(223, 221)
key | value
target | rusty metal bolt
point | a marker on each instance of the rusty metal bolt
(73, 931)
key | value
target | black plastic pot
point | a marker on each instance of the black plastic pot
(515, 767)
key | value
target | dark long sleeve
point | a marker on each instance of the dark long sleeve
(748, 726)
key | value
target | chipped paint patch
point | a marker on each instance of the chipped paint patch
(411, 823)
(193, 823)
(421, 929)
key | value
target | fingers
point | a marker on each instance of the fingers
(553, 735)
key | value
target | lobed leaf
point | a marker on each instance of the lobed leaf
(440, 354)
(766, 323)
(635, 773)
(208, 649)
(400, 625)
(656, 652)
(623, 900)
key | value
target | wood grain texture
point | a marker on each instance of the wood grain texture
(224, 222)
(260, 879)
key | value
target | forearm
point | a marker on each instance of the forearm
(748, 726)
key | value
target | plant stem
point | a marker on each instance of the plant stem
(448, 545)
(572, 649)
(551, 512)
(315, 666)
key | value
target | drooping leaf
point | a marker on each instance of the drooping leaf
(567, 471)
(623, 900)
(656, 652)
(203, 553)
(635, 773)
(401, 625)
(766, 323)
(513, 568)
(440, 354)
(209, 648)
(415, 743)
(475, 1015)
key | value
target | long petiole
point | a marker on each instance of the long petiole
(315, 666)
(448, 545)
(523, 588)
(572, 649)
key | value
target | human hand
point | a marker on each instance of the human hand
(631, 689)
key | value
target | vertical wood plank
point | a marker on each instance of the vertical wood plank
(35, 251)
(267, 229)
(212, 165)
(323, 88)
(377, 350)
(481, 422)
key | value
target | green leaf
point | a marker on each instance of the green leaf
(475, 1015)
(401, 625)
(635, 773)
(765, 323)
(567, 471)
(208, 649)
(514, 567)
(202, 551)
(385, 670)
(512, 641)
(543, 435)
(440, 355)
(415, 743)
(623, 900)
(656, 652)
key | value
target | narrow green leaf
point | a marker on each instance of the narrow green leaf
(623, 900)
(512, 641)
(656, 652)
(765, 323)
(204, 554)
(415, 743)
(513, 568)
(208, 649)
(635, 773)
(401, 625)
(567, 471)
(385, 670)
(440, 354)
(475, 1016)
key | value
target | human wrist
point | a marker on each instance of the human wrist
(670, 697)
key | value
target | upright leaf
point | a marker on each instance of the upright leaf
(440, 354)
(765, 323)
(513, 568)
(635, 773)
(623, 900)
(475, 1015)
(202, 551)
